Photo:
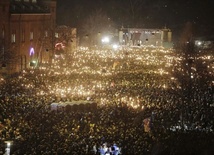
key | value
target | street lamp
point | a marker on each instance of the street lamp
(115, 46)
(33, 63)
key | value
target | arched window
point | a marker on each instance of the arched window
(13, 36)
(31, 35)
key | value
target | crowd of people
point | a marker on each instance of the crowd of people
(140, 106)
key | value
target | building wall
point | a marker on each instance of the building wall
(25, 30)
(4, 25)
(30, 33)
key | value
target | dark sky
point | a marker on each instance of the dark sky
(144, 13)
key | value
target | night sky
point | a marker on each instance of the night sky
(144, 13)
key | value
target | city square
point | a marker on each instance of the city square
(125, 77)
(128, 86)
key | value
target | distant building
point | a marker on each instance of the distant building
(145, 37)
(27, 31)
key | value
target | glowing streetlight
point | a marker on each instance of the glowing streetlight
(115, 46)
(199, 43)
(105, 40)
(33, 63)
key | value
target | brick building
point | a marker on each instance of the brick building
(26, 32)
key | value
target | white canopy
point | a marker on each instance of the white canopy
(55, 106)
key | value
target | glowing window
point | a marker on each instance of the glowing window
(31, 35)
(13, 37)
(46, 33)
(57, 35)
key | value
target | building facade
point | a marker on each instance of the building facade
(145, 37)
(27, 31)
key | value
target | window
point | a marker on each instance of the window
(46, 33)
(13, 7)
(13, 37)
(31, 35)
(56, 35)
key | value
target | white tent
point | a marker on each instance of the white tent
(54, 106)
(62, 105)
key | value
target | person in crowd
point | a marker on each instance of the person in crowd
(144, 89)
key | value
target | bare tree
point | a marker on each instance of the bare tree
(193, 77)
(135, 8)
(98, 22)
(187, 33)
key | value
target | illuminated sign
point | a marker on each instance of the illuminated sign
(32, 52)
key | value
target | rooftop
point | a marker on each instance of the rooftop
(28, 7)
